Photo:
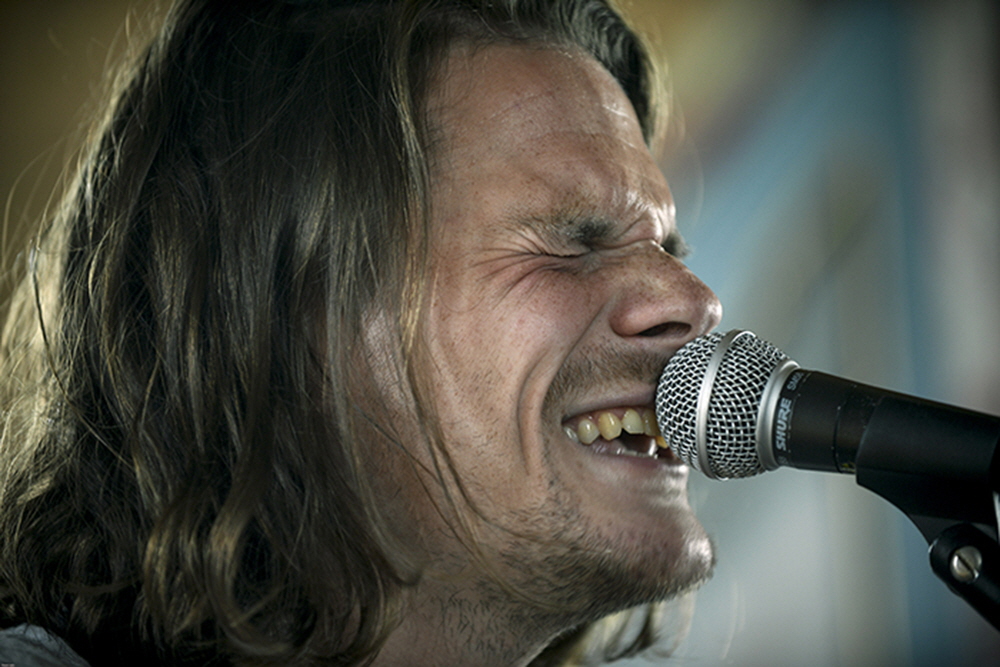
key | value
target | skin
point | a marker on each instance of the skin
(553, 294)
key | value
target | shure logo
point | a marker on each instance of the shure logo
(781, 432)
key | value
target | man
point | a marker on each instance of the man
(355, 320)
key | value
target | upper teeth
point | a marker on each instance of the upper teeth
(609, 425)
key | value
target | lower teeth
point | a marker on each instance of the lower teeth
(616, 448)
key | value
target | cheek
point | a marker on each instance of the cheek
(496, 337)
(493, 362)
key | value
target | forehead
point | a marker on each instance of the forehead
(552, 122)
(507, 89)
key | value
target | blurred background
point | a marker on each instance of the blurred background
(838, 177)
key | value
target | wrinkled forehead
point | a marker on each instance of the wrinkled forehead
(530, 132)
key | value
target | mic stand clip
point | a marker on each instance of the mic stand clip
(967, 558)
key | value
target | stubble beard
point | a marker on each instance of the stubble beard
(555, 573)
(567, 571)
(552, 569)
(576, 574)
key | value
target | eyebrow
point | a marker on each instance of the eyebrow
(588, 230)
(577, 224)
(675, 245)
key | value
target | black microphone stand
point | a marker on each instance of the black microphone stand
(954, 501)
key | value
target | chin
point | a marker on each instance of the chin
(649, 554)
(656, 571)
(589, 573)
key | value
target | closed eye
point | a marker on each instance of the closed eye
(570, 236)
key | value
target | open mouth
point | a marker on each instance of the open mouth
(622, 431)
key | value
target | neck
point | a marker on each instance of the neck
(453, 625)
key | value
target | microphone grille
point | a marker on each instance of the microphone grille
(733, 405)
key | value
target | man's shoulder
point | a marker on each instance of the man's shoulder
(32, 646)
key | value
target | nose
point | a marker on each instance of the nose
(660, 301)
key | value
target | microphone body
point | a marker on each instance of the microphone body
(927, 458)
(732, 405)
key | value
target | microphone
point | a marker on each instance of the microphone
(731, 405)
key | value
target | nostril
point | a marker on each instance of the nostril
(672, 329)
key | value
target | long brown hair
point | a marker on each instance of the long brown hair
(179, 466)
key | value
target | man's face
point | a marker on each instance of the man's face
(552, 301)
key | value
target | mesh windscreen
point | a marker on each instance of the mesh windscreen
(733, 405)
